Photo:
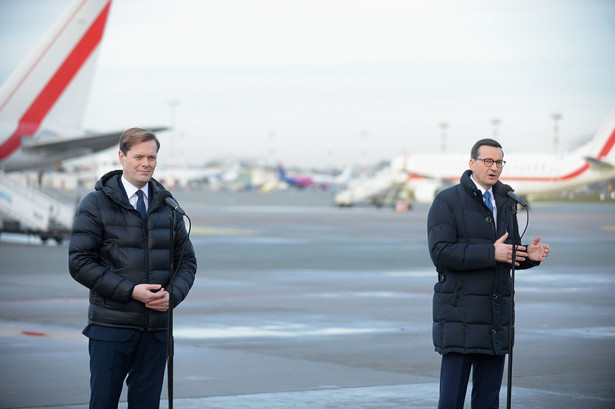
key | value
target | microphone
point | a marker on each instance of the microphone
(165, 197)
(511, 193)
(516, 198)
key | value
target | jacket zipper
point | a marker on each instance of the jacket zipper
(146, 255)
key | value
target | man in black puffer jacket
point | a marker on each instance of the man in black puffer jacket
(120, 249)
(470, 234)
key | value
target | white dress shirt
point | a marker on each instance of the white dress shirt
(131, 192)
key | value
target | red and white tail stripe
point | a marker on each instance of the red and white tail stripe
(43, 81)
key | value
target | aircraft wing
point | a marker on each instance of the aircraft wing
(85, 143)
(599, 165)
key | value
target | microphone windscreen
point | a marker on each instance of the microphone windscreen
(163, 195)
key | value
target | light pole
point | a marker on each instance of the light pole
(364, 155)
(443, 127)
(495, 122)
(173, 108)
(556, 117)
(271, 153)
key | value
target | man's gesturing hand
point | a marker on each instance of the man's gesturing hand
(538, 251)
(503, 251)
(152, 295)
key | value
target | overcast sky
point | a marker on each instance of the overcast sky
(335, 82)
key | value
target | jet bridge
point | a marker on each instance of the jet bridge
(27, 210)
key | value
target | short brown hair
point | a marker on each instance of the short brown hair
(133, 136)
(483, 142)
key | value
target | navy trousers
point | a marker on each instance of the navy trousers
(487, 374)
(116, 354)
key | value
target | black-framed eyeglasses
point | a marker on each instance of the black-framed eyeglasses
(489, 162)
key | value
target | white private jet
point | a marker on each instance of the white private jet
(530, 175)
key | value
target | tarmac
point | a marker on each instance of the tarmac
(299, 304)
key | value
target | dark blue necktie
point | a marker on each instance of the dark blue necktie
(487, 199)
(141, 205)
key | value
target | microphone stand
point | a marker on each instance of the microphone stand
(170, 340)
(511, 326)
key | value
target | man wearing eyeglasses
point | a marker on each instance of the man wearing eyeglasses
(470, 232)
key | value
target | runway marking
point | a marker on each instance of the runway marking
(582, 332)
(20, 330)
(45, 301)
(269, 331)
(34, 334)
(418, 273)
(301, 330)
(558, 289)
(346, 294)
(214, 231)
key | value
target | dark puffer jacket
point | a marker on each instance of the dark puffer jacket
(111, 251)
(471, 304)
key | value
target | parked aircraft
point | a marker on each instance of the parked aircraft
(42, 105)
(43, 102)
(316, 180)
(530, 175)
(183, 176)
(328, 181)
(296, 181)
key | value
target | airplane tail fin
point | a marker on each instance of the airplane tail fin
(52, 84)
(345, 176)
(601, 147)
(282, 172)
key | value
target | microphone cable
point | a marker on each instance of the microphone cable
(181, 254)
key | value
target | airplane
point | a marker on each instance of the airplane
(296, 181)
(42, 106)
(216, 177)
(43, 102)
(532, 176)
(317, 180)
(327, 181)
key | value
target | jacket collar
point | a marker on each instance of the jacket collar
(111, 185)
(468, 184)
